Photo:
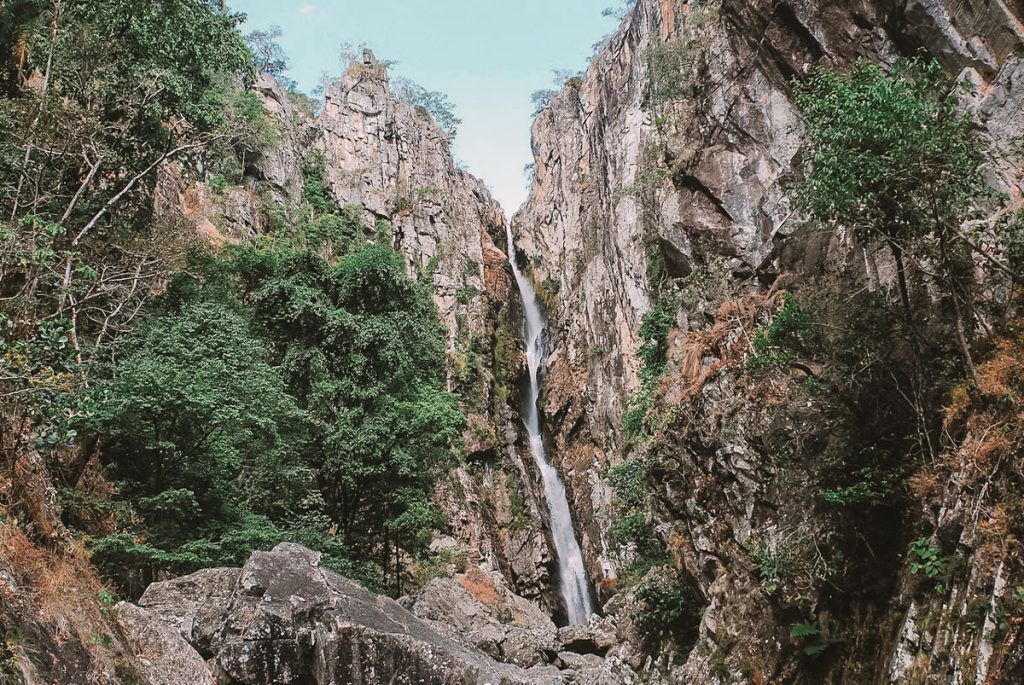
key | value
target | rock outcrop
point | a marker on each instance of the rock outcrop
(282, 618)
(477, 608)
(162, 654)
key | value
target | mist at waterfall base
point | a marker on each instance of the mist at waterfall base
(572, 574)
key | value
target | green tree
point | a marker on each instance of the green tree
(97, 96)
(432, 102)
(892, 157)
(197, 431)
(361, 348)
(268, 55)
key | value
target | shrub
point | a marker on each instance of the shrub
(893, 157)
(791, 331)
(219, 184)
(927, 559)
(629, 481)
(466, 294)
(430, 102)
(653, 355)
(670, 607)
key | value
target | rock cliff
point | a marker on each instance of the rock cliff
(392, 160)
(634, 187)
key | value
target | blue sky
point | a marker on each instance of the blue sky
(487, 55)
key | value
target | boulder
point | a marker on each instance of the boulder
(597, 637)
(284, 619)
(162, 656)
(509, 628)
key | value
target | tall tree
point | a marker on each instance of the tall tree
(893, 158)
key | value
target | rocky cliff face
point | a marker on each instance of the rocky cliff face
(392, 160)
(634, 187)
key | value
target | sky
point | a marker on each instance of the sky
(487, 55)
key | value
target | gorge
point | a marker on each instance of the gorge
(734, 397)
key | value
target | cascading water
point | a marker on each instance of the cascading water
(572, 573)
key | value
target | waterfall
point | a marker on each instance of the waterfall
(572, 574)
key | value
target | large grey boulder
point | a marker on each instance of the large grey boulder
(284, 619)
(508, 628)
(162, 655)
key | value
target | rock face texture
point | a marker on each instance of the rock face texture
(163, 655)
(477, 608)
(282, 619)
(632, 188)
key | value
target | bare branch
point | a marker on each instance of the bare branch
(127, 188)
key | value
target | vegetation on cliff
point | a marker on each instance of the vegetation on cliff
(845, 389)
(189, 411)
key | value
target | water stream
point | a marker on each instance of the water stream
(572, 574)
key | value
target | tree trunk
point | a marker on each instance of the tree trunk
(961, 327)
(901, 278)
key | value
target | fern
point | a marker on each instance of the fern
(804, 630)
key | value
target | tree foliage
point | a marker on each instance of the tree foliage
(268, 55)
(431, 102)
(287, 390)
(893, 157)
(362, 350)
(198, 432)
(278, 396)
(892, 153)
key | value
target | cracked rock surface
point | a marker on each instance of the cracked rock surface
(283, 619)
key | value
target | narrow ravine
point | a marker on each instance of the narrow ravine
(572, 574)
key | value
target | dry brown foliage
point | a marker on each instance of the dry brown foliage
(478, 584)
(61, 584)
(925, 485)
(988, 419)
(726, 342)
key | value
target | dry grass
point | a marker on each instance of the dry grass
(59, 591)
(62, 582)
(726, 343)
(925, 485)
(480, 585)
(987, 420)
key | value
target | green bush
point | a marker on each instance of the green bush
(219, 184)
(790, 332)
(893, 157)
(669, 608)
(466, 294)
(629, 481)
(631, 535)
(891, 152)
(927, 560)
(637, 420)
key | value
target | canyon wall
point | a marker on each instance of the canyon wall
(628, 195)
